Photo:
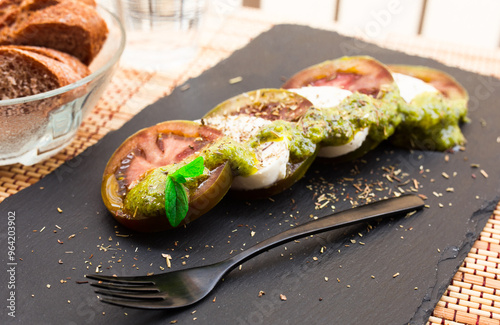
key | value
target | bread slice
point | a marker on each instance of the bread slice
(26, 71)
(70, 26)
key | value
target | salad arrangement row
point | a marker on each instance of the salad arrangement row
(261, 142)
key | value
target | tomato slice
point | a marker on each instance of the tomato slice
(138, 159)
(357, 74)
(270, 104)
(277, 111)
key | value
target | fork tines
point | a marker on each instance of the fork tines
(132, 280)
(128, 291)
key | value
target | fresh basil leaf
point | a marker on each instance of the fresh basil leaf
(182, 204)
(176, 202)
(176, 199)
(170, 200)
(193, 169)
(178, 178)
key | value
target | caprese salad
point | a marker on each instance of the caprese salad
(261, 142)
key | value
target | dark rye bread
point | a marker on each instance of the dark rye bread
(70, 26)
(26, 71)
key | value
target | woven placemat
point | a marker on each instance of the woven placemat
(471, 297)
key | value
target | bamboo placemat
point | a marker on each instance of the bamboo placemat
(471, 297)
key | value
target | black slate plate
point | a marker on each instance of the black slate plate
(58, 248)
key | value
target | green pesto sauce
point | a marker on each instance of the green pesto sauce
(240, 156)
(431, 121)
(337, 126)
(389, 103)
(430, 108)
(300, 146)
(148, 196)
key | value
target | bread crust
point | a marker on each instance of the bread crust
(76, 65)
(70, 26)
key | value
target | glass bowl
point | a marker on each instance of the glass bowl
(34, 128)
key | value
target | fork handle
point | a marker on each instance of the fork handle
(382, 208)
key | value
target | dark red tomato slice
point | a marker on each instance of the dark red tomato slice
(161, 145)
(358, 73)
(269, 104)
(443, 82)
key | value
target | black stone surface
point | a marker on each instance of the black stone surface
(58, 249)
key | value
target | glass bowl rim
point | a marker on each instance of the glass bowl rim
(94, 75)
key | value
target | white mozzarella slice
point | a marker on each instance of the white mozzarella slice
(324, 96)
(410, 87)
(273, 156)
(337, 151)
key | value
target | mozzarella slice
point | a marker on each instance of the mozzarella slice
(273, 160)
(337, 151)
(410, 87)
(324, 97)
(273, 156)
